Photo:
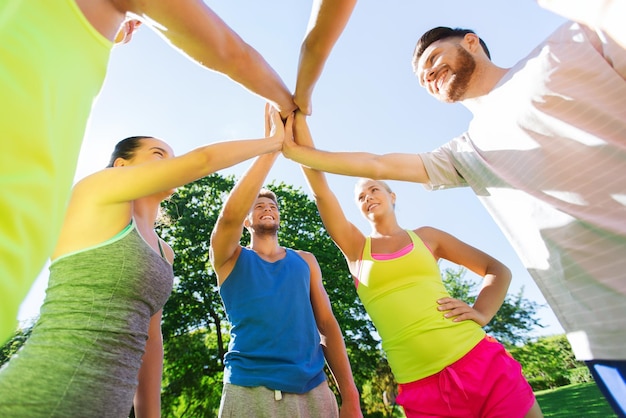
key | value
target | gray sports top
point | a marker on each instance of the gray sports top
(84, 354)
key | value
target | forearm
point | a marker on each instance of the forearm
(327, 204)
(395, 166)
(337, 358)
(147, 401)
(220, 155)
(607, 15)
(192, 27)
(345, 163)
(492, 293)
(326, 23)
(245, 191)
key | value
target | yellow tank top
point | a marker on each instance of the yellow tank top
(400, 296)
(52, 66)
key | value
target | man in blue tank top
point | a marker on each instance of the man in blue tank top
(282, 325)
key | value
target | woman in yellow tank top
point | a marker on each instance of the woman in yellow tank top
(440, 356)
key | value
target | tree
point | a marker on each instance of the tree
(513, 321)
(549, 362)
(195, 327)
(15, 343)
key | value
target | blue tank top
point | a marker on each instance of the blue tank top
(274, 341)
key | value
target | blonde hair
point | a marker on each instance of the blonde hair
(363, 180)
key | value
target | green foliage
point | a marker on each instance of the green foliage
(15, 343)
(513, 321)
(195, 327)
(549, 363)
(380, 392)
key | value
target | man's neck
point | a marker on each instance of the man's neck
(485, 79)
(267, 246)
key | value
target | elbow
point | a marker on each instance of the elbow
(314, 46)
(503, 274)
(378, 170)
(229, 56)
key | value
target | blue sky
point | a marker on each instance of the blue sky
(367, 100)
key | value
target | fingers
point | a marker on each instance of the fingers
(289, 127)
(276, 122)
(457, 310)
(268, 120)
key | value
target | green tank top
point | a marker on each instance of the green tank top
(400, 296)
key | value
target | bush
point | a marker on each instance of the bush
(580, 375)
(539, 383)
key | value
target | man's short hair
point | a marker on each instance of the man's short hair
(268, 194)
(439, 33)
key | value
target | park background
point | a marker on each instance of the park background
(367, 99)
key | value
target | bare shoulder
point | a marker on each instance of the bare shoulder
(433, 238)
(306, 255)
(427, 232)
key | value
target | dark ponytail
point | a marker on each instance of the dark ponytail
(126, 148)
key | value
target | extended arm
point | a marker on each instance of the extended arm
(332, 341)
(496, 276)
(124, 184)
(396, 166)
(147, 400)
(227, 232)
(607, 15)
(326, 23)
(194, 29)
(347, 236)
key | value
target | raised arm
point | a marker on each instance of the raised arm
(127, 183)
(332, 341)
(607, 15)
(396, 166)
(326, 23)
(194, 29)
(227, 232)
(496, 276)
(348, 237)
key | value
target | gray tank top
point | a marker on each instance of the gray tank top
(84, 354)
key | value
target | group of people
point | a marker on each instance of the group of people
(544, 152)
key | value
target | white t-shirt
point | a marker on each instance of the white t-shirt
(546, 155)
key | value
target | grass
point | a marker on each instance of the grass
(574, 401)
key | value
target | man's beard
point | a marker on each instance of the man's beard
(464, 69)
(262, 229)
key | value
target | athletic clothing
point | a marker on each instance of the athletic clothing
(274, 340)
(85, 350)
(486, 382)
(400, 296)
(52, 65)
(546, 155)
(261, 402)
(444, 368)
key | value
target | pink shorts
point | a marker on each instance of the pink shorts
(486, 382)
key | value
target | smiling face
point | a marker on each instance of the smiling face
(445, 70)
(264, 217)
(374, 198)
